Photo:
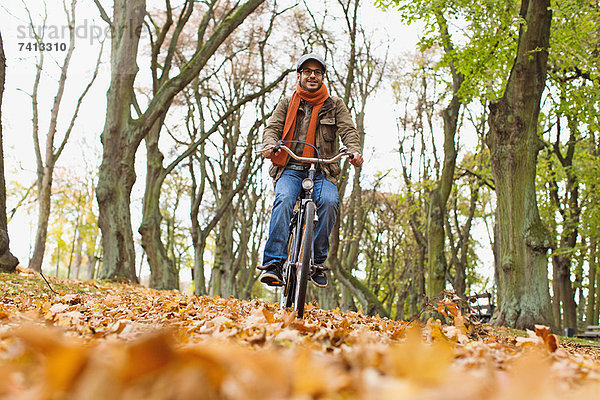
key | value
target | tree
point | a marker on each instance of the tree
(523, 241)
(8, 262)
(73, 227)
(415, 93)
(47, 154)
(237, 52)
(440, 194)
(354, 75)
(466, 208)
(123, 133)
(567, 167)
(471, 65)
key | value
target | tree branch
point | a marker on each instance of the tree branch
(103, 14)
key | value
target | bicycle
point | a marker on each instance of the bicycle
(299, 264)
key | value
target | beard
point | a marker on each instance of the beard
(304, 84)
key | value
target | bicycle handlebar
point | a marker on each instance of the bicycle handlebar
(343, 152)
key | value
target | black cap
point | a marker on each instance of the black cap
(311, 56)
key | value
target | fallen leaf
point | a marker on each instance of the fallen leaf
(268, 315)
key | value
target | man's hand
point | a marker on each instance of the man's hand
(357, 160)
(269, 153)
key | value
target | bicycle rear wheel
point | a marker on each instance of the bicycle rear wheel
(306, 250)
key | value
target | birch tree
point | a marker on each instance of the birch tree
(48, 150)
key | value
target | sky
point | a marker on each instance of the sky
(381, 141)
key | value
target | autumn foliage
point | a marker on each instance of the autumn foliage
(115, 341)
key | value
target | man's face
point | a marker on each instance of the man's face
(311, 76)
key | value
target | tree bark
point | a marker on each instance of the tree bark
(120, 139)
(8, 262)
(514, 144)
(563, 269)
(436, 259)
(591, 301)
(163, 272)
(44, 186)
(78, 257)
(556, 297)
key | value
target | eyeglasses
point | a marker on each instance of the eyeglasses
(309, 72)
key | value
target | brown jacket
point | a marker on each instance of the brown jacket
(334, 121)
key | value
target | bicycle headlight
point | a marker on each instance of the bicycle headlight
(307, 184)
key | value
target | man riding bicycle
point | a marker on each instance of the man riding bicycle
(310, 115)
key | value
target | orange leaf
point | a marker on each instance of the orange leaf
(550, 339)
(268, 315)
(148, 355)
(453, 308)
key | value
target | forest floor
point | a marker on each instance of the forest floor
(100, 340)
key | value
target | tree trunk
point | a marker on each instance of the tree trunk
(222, 269)
(556, 297)
(436, 280)
(464, 242)
(198, 271)
(514, 145)
(595, 316)
(44, 186)
(78, 256)
(115, 181)
(567, 297)
(120, 139)
(163, 272)
(591, 303)
(8, 262)
(570, 212)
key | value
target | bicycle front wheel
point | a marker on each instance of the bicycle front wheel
(288, 291)
(306, 250)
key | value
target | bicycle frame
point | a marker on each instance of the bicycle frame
(299, 263)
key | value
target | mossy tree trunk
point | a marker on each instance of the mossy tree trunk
(120, 139)
(513, 140)
(163, 272)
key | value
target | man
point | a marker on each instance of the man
(312, 116)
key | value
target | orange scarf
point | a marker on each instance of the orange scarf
(316, 100)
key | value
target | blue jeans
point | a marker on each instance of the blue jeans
(287, 189)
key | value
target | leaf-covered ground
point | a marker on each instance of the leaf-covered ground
(115, 341)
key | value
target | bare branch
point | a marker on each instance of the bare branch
(79, 101)
(103, 14)
(216, 125)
